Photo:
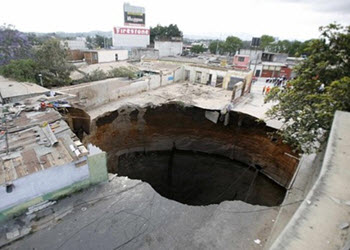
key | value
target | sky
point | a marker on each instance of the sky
(284, 19)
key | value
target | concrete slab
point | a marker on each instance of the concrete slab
(317, 224)
(203, 96)
(129, 214)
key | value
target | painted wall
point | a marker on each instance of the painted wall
(241, 64)
(168, 48)
(109, 55)
(41, 183)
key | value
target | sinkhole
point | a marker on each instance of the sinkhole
(196, 156)
(196, 178)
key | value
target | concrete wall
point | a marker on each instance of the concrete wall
(137, 54)
(42, 182)
(102, 92)
(109, 55)
(44, 185)
(168, 48)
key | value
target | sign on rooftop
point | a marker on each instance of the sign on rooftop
(256, 41)
(134, 15)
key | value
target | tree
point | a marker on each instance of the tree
(232, 44)
(197, 49)
(322, 86)
(217, 46)
(14, 45)
(165, 32)
(52, 63)
(20, 70)
(266, 41)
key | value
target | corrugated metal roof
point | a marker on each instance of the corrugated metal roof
(29, 148)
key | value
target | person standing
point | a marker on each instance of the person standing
(263, 91)
(267, 90)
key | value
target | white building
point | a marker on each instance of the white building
(75, 44)
(130, 37)
(105, 55)
(168, 48)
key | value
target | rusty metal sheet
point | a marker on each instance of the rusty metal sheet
(31, 161)
(19, 168)
(45, 162)
(10, 173)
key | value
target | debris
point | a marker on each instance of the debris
(344, 225)
(83, 209)
(49, 134)
(13, 234)
(39, 206)
(257, 241)
(212, 116)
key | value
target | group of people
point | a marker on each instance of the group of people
(266, 90)
(277, 81)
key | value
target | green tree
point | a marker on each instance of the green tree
(217, 46)
(20, 70)
(322, 86)
(165, 32)
(197, 49)
(266, 41)
(52, 63)
(232, 44)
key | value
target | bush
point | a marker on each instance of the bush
(121, 72)
(21, 70)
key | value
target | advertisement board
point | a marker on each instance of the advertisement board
(134, 15)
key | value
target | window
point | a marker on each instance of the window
(241, 59)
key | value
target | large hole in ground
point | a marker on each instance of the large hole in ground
(196, 178)
(232, 159)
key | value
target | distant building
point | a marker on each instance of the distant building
(130, 37)
(75, 44)
(104, 55)
(241, 61)
(169, 47)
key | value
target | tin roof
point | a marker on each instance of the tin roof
(31, 149)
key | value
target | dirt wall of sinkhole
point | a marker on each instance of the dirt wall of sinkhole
(156, 128)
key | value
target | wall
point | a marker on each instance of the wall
(241, 64)
(168, 48)
(44, 185)
(109, 55)
(42, 182)
(137, 54)
(227, 74)
(102, 92)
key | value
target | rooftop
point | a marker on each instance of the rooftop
(37, 140)
(10, 89)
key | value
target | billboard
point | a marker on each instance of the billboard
(130, 37)
(131, 31)
(255, 42)
(134, 15)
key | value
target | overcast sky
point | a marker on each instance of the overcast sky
(286, 19)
